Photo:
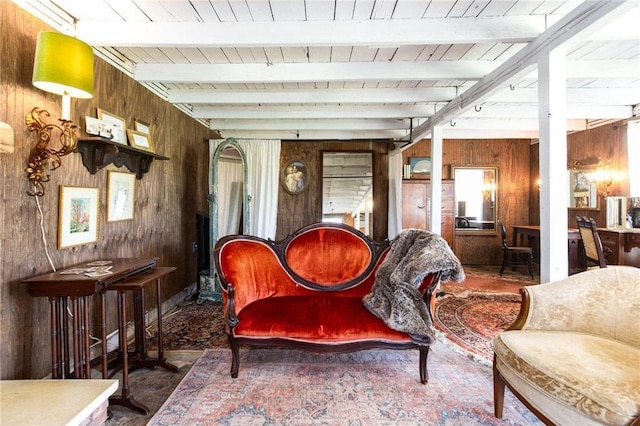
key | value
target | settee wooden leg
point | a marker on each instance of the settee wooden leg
(424, 374)
(235, 359)
(498, 391)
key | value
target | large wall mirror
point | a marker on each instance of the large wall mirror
(584, 178)
(347, 189)
(476, 199)
(229, 203)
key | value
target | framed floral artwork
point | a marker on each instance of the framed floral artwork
(120, 196)
(77, 216)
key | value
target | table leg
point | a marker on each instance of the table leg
(161, 359)
(126, 399)
(103, 326)
(56, 371)
(64, 336)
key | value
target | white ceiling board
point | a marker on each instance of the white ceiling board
(370, 60)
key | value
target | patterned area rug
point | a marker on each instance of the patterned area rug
(190, 326)
(289, 387)
(472, 320)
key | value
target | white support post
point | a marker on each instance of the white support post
(436, 180)
(552, 106)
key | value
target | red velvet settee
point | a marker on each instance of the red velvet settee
(306, 292)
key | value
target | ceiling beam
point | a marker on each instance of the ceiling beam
(376, 33)
(347, 135)
(587, 16)
(221, 112)
(312, 124)
(348, 96)
(313, 72)
(574, 111)
(584, 96)
(362, 71)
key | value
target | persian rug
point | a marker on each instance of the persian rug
(471, 320)
(376, 387)
(190, 326)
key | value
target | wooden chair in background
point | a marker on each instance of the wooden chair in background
(593, 251)
(514, 256)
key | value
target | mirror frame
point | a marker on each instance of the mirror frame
(589, 166)
(321, 179)
(213, 291)
(476, 231)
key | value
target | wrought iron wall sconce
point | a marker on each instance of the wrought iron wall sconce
(42, 155)
(63, 65)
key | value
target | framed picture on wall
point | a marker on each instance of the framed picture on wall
(120, 196)
(294, 177)
(77, 216)
(139, 140)
(119, 127)
(420, 165)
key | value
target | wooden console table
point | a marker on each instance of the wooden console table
(64, 288)
(138, 358)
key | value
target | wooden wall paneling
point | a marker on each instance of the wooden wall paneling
(167, 197)
(296, 211)
(608, 142)
(511, 156)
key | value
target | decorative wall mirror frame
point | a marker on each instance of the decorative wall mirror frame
(584, 179)
(347, 188)
(476, 199)
(220, 199)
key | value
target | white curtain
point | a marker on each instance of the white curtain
(395, 193)
(263, 157)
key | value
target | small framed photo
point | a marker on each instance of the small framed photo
(139, 140)
(420, 165)
(294, 177)
(118, 132)
(77, 216)
(141, 126)
(120, 196)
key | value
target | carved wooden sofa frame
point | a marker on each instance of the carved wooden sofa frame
(305, 292)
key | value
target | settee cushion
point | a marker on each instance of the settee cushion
(318, 319)
(591, 376)
(328, 256)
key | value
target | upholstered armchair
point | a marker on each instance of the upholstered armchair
(573, 355)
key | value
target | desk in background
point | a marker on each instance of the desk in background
(621, 246)
(618, 245)
(531, 233)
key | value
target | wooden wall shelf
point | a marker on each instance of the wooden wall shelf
(98, 153)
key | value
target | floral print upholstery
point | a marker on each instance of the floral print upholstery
(579, 348)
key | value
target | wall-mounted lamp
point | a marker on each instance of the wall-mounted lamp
(603, 177)
(63, 65)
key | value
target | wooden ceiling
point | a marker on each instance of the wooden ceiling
(365, 69)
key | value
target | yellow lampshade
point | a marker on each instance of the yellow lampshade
(63, 65)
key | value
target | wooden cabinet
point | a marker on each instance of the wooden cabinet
(416, 204)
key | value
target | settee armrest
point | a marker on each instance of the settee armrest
(604, 302)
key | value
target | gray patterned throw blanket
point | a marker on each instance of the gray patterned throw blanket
(394, 296)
